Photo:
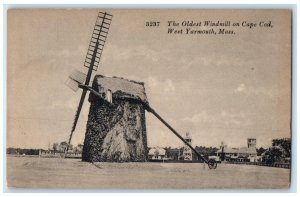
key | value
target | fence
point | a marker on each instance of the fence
(276, 164)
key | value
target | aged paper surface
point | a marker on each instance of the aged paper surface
(220, 78)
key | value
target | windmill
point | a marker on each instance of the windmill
(92, 59)
(80, 80)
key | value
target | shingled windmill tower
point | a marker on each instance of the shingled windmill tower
(116, 127)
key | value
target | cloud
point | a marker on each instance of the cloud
(70, 103)
(152, 82)
(169, 86)
(64, 53)
(201, 117)
(250, 90)
(222, 119)
(241, 88)
(155, 85)
(67, 52)
(128, 53)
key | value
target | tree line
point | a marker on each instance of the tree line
(55, 148)
(61, 147)
(278, 152)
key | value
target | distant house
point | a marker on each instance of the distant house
(157, 153)
(244, 154)
(174, 153)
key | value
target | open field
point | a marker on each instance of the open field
(33, 172)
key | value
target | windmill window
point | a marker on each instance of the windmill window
(109, 96)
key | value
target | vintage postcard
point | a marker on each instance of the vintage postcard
(148, 98)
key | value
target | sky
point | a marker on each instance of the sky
(216, 87)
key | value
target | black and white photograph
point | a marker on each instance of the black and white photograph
(149, 98)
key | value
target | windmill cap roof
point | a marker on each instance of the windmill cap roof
(122, 88)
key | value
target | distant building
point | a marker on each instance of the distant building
(187, 151)
(251, 142)
(174, 153)
(244, 154)
(157, 153)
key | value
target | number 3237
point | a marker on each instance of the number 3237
(152, 24)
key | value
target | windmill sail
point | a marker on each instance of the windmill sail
(98, 40)
(75, 79)
(92, 60)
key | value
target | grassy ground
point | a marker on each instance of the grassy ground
(32, 172)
